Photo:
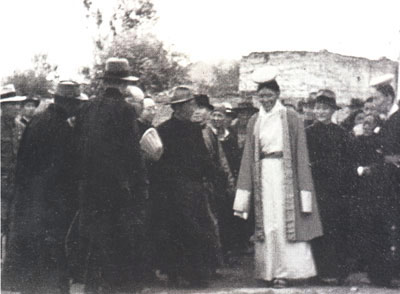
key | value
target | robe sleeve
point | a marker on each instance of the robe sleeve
(242, 203)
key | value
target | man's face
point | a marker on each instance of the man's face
(369, 125)
(201, 115)
(148, 113)
(381, 102)
(370, 109)
(323, 112)
(10, 109)
(187, 109)
(217, 119)
(29, 109)
(267, 98)
(308, 112)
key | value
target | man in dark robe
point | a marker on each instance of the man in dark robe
(386, 261)
(113, 190)
(45, 199)
(10, 110)
(329, 158)
(225, 154)
(187, 232)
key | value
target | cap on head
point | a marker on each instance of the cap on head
(181, 94)
(118, 69)
(382, 80)
(219, 108)
(327, 97)
(68, 89)
(265, 77)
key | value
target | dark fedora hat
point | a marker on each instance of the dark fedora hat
(327, 97)
(203, 100)
(68, 89)
(118, 69)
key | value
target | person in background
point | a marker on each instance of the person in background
(386, 261)
(10, 109)
(358, 124)
(187, 232)
(308, 110)
(202, 112)
(355, 107)
(224, 153)
(28, 110)
(113, 189)
(145, 120)
(370, 107)
(135, 98)
(366, 203)
(275, 178)
(45, 198)
(330, 158)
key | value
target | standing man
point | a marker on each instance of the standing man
(44, 201)
(145, 120)
(331, 170)
(10, 109)
(201, 114)
(113, 191)
(225, 154)
(274, 179)
(186, 227)
(387, 250)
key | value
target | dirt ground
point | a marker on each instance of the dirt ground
(238, 279)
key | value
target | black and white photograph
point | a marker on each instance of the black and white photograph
(193, 147)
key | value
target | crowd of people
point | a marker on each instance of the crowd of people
(94, 193)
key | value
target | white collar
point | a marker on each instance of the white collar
(276, 109)
(221, 138)
(393, 109)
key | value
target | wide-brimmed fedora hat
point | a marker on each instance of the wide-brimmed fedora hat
(181, 94)
(327, 97)
(69, 89)
(118, 69)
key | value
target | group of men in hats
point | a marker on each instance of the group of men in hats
(102, 197)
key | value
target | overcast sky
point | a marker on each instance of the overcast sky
(206, 30)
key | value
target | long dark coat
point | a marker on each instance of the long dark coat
(225, 155)
(367, 199)
(187, 232)
(43, 205)
(331, 169)
(386, 261)
(112, 193)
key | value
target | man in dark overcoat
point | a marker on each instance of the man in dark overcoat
(187, 229)
(386, 259)
(113, 189)
(330, 166)
(45, 199)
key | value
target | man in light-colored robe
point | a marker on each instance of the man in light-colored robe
(273, 180)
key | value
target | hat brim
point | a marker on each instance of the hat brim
(128, 78)
(13, 99)
(181, 100)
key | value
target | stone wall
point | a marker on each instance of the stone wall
(303, 72)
